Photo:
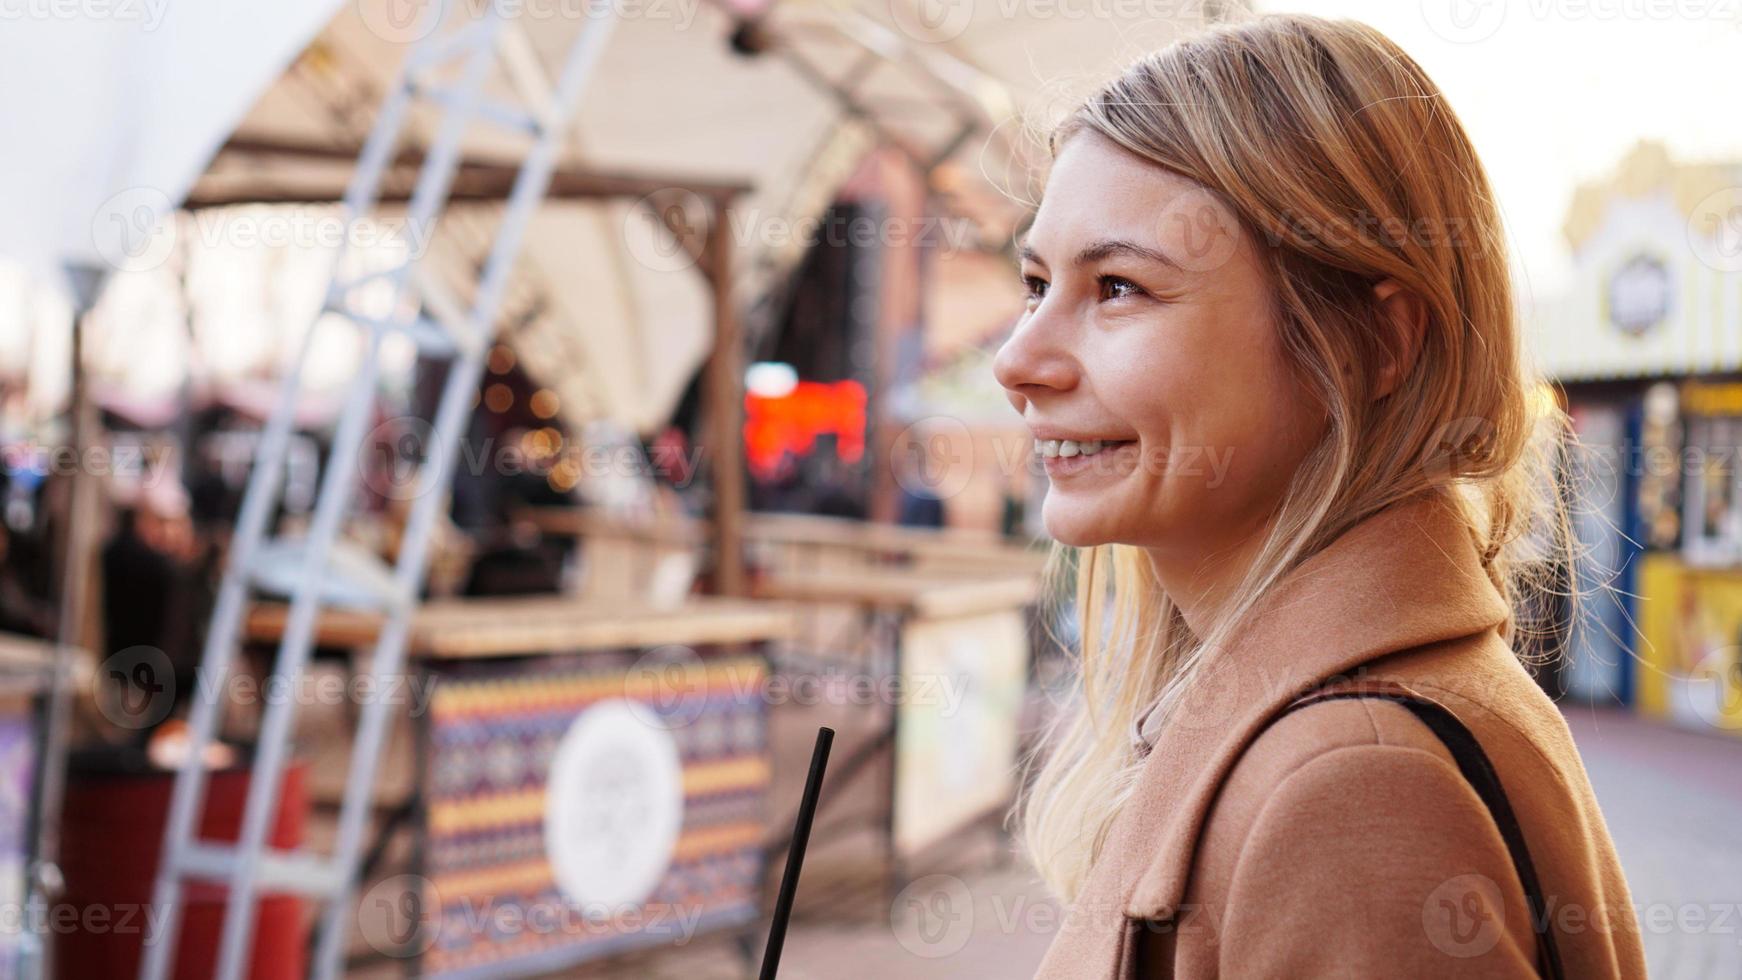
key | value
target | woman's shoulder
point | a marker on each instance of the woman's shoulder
(1331, 751)
(1353, 817)
(1481, 683)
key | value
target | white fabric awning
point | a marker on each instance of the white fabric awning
(111, 111)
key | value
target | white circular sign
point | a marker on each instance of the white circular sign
(613, 806)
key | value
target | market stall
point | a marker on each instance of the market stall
(937, 623)
(595, 775)
(27, 670)
(1691, 597)
(1646, 346)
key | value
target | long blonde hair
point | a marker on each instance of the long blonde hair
(1343, 161)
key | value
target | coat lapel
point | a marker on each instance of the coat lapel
(1404, 577)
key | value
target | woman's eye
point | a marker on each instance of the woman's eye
(1036, 287)
(1117, 287)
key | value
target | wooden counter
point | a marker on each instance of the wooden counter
(948, 546)
(898, 590)
(454, 629)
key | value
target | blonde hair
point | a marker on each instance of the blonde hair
(1334, 149)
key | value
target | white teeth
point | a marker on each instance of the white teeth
(1067, 448)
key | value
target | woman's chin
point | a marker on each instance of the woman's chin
(1075, 529)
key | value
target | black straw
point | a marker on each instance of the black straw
(801, 834)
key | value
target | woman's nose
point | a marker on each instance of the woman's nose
(1033, 361)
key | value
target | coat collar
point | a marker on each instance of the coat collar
(1404, 577)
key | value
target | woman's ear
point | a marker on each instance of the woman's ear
(1404, 316)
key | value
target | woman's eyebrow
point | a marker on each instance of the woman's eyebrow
(1107, 247)
(1104, 248)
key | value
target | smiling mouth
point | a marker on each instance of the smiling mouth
(1071, 448)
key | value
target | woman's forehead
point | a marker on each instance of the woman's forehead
(1098, 192)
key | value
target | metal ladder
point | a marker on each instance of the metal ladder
(455, 35)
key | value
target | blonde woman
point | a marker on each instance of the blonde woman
(1270, 356)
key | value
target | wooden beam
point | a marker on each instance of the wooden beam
(475, 180)
(724, 397)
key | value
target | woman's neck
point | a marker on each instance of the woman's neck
(1201, 581)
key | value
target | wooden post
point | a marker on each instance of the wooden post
(724, 386)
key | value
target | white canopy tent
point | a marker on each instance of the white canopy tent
(114, 121)
(607, 313)
(110, 119)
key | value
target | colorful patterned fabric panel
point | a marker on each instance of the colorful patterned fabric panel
(494, 737)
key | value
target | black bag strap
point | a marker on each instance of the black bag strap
(1479, 772)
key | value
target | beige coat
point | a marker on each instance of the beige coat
(1342, 841)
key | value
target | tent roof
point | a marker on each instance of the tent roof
(603, 310)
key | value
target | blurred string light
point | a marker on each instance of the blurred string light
(564, 475)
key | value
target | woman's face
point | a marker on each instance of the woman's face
(1150, 329)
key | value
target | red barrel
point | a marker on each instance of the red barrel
(111, 835)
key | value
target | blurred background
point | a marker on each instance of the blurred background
(539, 416)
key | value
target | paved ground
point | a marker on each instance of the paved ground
(1673, 800)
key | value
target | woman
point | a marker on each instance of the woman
(1271, 359)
